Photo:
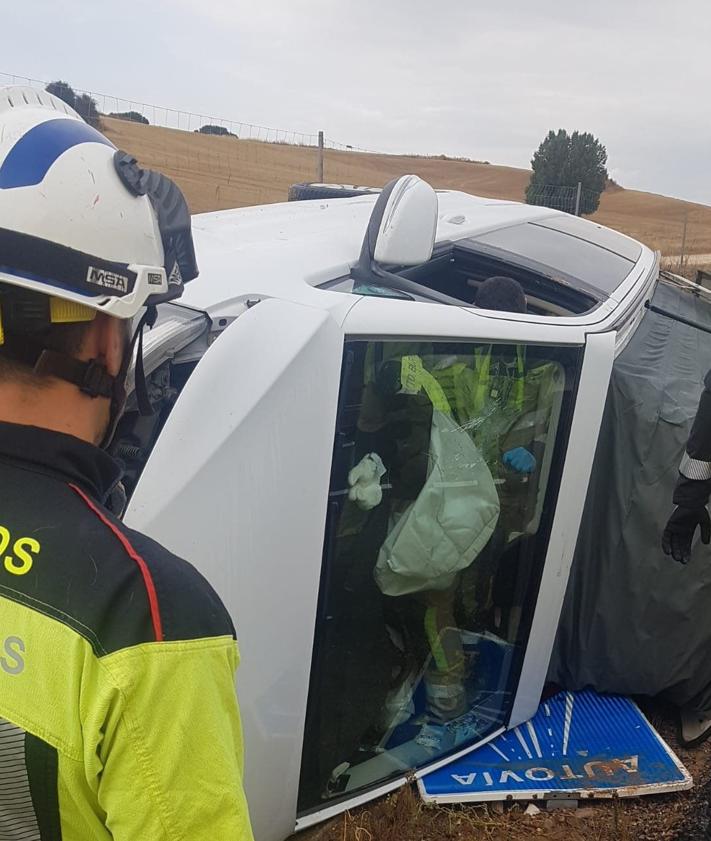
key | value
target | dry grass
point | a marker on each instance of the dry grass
(673, 817)
(403, 817)
(223, 172)
(689, 268)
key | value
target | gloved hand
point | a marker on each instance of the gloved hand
(679, 532)
(364, 482)
(520, 460)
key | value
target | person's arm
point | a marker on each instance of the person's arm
(523, 449)
(171, 743)
(693, 488)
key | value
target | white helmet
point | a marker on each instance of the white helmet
(80, 222)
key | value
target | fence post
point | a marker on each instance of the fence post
(319, 166)
(577, 198)
(683, 241)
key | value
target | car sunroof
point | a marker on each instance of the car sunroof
(593, 265)
(592, 232)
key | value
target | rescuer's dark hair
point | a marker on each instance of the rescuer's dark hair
(501, 293)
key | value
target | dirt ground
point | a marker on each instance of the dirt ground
(673, 817)
(223, 172)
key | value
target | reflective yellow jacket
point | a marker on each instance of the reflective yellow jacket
(118, 714)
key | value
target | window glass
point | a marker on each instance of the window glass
(592, 232)
(446, 464)
(358, 287)
(596, 266)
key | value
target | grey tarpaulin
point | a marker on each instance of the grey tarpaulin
(634, 621)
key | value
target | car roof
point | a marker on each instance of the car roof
(285, 250)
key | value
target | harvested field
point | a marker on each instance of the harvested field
(223, 172)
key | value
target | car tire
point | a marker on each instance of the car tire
(306, 192)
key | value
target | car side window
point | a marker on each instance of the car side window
(446, 464)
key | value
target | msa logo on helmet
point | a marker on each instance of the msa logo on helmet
(175, 278)
(109, 280)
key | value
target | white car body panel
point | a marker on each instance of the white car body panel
(238, 480)
(592, 391)
(246, 502)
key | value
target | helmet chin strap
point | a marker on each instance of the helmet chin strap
(92, 378)
(118, 390)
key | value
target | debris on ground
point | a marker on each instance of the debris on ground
(401, 816)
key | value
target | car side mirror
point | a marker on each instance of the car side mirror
(402, 226)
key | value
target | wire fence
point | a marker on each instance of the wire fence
(216, 174)
(576, 200)
(132, 110)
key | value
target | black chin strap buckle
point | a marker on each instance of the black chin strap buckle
(91, 378)
(96, 381)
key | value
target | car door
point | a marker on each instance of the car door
(237, 483)
(452, 517)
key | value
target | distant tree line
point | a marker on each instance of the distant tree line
(87, 108)
(83, 104)
(220, 131)
(131, 116)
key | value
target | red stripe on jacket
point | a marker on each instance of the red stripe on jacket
(131, 552)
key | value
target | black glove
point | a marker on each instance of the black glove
(679, 532)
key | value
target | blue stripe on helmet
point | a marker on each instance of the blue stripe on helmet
(9, 271)
(31, 157)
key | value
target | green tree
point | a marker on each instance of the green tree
(86, 107)
(64, 91)
(219, 131)
(131, 116)
(562, 161)
(83, 104)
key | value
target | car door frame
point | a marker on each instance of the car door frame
(385, 319)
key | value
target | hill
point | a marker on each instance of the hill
(222, 172)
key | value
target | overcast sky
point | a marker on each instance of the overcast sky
(485, 80)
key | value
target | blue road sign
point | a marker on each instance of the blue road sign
(577, 743)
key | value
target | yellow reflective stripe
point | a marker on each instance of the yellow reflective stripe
(60, 312)
(67, 312)
(432, 633)
(414, 378)
(482, 366)
(520, 360)
(436, 393)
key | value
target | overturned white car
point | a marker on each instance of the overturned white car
(331, 448)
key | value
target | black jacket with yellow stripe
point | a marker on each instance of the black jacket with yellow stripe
(694, 485)
(118, 715)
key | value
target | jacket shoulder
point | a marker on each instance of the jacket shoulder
(180, 602)
(84, 568)
(188, 606)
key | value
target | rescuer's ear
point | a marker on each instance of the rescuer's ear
(107, 341)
